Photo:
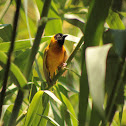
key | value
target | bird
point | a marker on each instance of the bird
(55, 56)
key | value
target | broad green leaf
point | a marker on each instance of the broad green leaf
(94, 119)
(65, 115)
(74, 99)
(96, 69)
(5, 107)
(56, 113)
(28, 23)
(53, 26)
(35, 108)
(98, 13)
(21, 59)
(7, 114)
(114, 21)
(5, 32)
(19, 45)
(70, 109)
(74, 20)
(118, 38)
(43, 121)
(15, 70)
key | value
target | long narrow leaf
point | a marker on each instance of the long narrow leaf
(52, 121)
(15, 70)
(34, 109)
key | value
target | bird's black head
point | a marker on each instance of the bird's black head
(60, 38)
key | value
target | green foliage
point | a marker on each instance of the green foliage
(93, 90)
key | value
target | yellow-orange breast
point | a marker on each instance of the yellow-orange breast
(55, 57)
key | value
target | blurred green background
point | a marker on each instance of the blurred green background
(70, 17)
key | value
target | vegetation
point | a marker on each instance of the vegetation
(93, 91)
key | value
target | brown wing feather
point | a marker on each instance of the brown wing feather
(45, 70)
(62, 64)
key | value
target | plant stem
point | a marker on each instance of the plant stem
(6, 74)
(37, 38)
(84, 91)
(16, 108)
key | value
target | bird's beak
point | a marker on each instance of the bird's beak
(64, 36)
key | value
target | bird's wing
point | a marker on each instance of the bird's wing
(64, 64)
(65, 56)
(45, 70)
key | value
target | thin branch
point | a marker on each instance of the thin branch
(68, 62)
(6, 74)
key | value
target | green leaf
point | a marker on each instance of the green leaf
(34, 109)
(67, 87)
(76, 10)
(52, 121)
(20, 44)
(53, 96)
(98, 13)
(56, 113)
(96, 69)
(70, 110)
(114, 21)
(53, 26)
(65, 115)
(94, 119)
(5, 32)
(112, 66)
(118, 38)
(29, 23)
(75, 20)
(7, 114)
(14, 69)
(21, 59)
(43, 121)
(119, 42)
(122, 13)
